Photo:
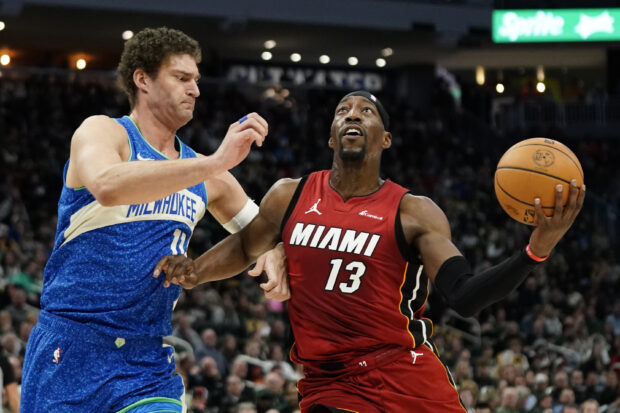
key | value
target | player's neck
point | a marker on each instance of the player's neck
(351, 180)
(159, 135)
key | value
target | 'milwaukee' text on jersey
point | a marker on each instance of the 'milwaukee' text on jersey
(182, 204)
(334, 239)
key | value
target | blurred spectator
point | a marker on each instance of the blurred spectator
(597, 356)
(544, 405)
(208, 349)
(570, 408)
(229, 348)
(590, 406)
(566, 398)
(483, 408)
(612, 321)
(19, 309)
(185, 331)
(199, 400)
(578, 386)
(6, 322)
(185, 365)
(560, 382)
(245, 408)
(508, 401)
(209, 378)
(271, 394)
(611, 391)
(468, 392)
(237, 391)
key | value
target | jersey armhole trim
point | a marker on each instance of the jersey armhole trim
(404, 248)
(120, 122)
(294, 199)
(65, 170)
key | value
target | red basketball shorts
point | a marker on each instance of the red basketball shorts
(402, 381)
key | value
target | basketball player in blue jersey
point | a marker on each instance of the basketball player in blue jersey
(132, 193)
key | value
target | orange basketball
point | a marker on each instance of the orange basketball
(531, 169)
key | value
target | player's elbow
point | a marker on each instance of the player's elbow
(104, 192)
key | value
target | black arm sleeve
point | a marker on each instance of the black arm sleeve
(468, 293)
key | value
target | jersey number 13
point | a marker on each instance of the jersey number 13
(355, 270)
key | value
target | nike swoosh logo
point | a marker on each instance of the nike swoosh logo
(141, 158)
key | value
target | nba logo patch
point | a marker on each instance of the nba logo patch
(56, 358)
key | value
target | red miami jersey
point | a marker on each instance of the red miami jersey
(356, 286)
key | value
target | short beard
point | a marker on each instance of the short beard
(352, 157)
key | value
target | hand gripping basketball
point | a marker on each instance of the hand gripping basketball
(532, 169)
(551, 229)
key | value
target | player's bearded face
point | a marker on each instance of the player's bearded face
(356, 122)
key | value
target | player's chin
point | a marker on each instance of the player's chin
(185, 115)
(352, 155)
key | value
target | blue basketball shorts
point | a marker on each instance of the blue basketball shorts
(71, 368)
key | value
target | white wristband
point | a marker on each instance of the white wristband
(243, 217)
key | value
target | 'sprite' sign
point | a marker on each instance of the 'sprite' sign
(556, 25)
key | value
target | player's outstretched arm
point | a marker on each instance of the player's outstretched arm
(428, 229)
(237, 251)
(99, 152)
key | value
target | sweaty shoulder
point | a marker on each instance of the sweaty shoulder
(420, 215)
(277, 199)
(284, 189)
(101, 123)
(97, 142)
(101, 127)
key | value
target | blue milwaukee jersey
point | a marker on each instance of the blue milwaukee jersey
(101, 269)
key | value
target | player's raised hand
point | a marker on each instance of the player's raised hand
(178, 269)
(551, 229)
(273, 263)
(251, 128)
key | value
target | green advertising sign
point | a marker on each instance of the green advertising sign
(556, 25)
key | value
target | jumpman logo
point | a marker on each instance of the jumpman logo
(415, 355)
(314, 208)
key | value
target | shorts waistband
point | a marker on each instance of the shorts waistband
(357, 365)
(82, 332)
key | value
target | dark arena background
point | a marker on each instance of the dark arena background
(462, 83)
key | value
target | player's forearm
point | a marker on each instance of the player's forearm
(146, 181)
(469, 293)
(224, 260)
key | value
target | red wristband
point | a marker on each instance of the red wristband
(533, 256)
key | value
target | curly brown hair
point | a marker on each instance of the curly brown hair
(148, 50)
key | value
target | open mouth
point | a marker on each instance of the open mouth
(352, 131)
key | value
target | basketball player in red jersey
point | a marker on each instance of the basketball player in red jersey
(361, 252)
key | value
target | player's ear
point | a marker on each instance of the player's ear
(387, 140)
(140, 78)
(330, 142)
